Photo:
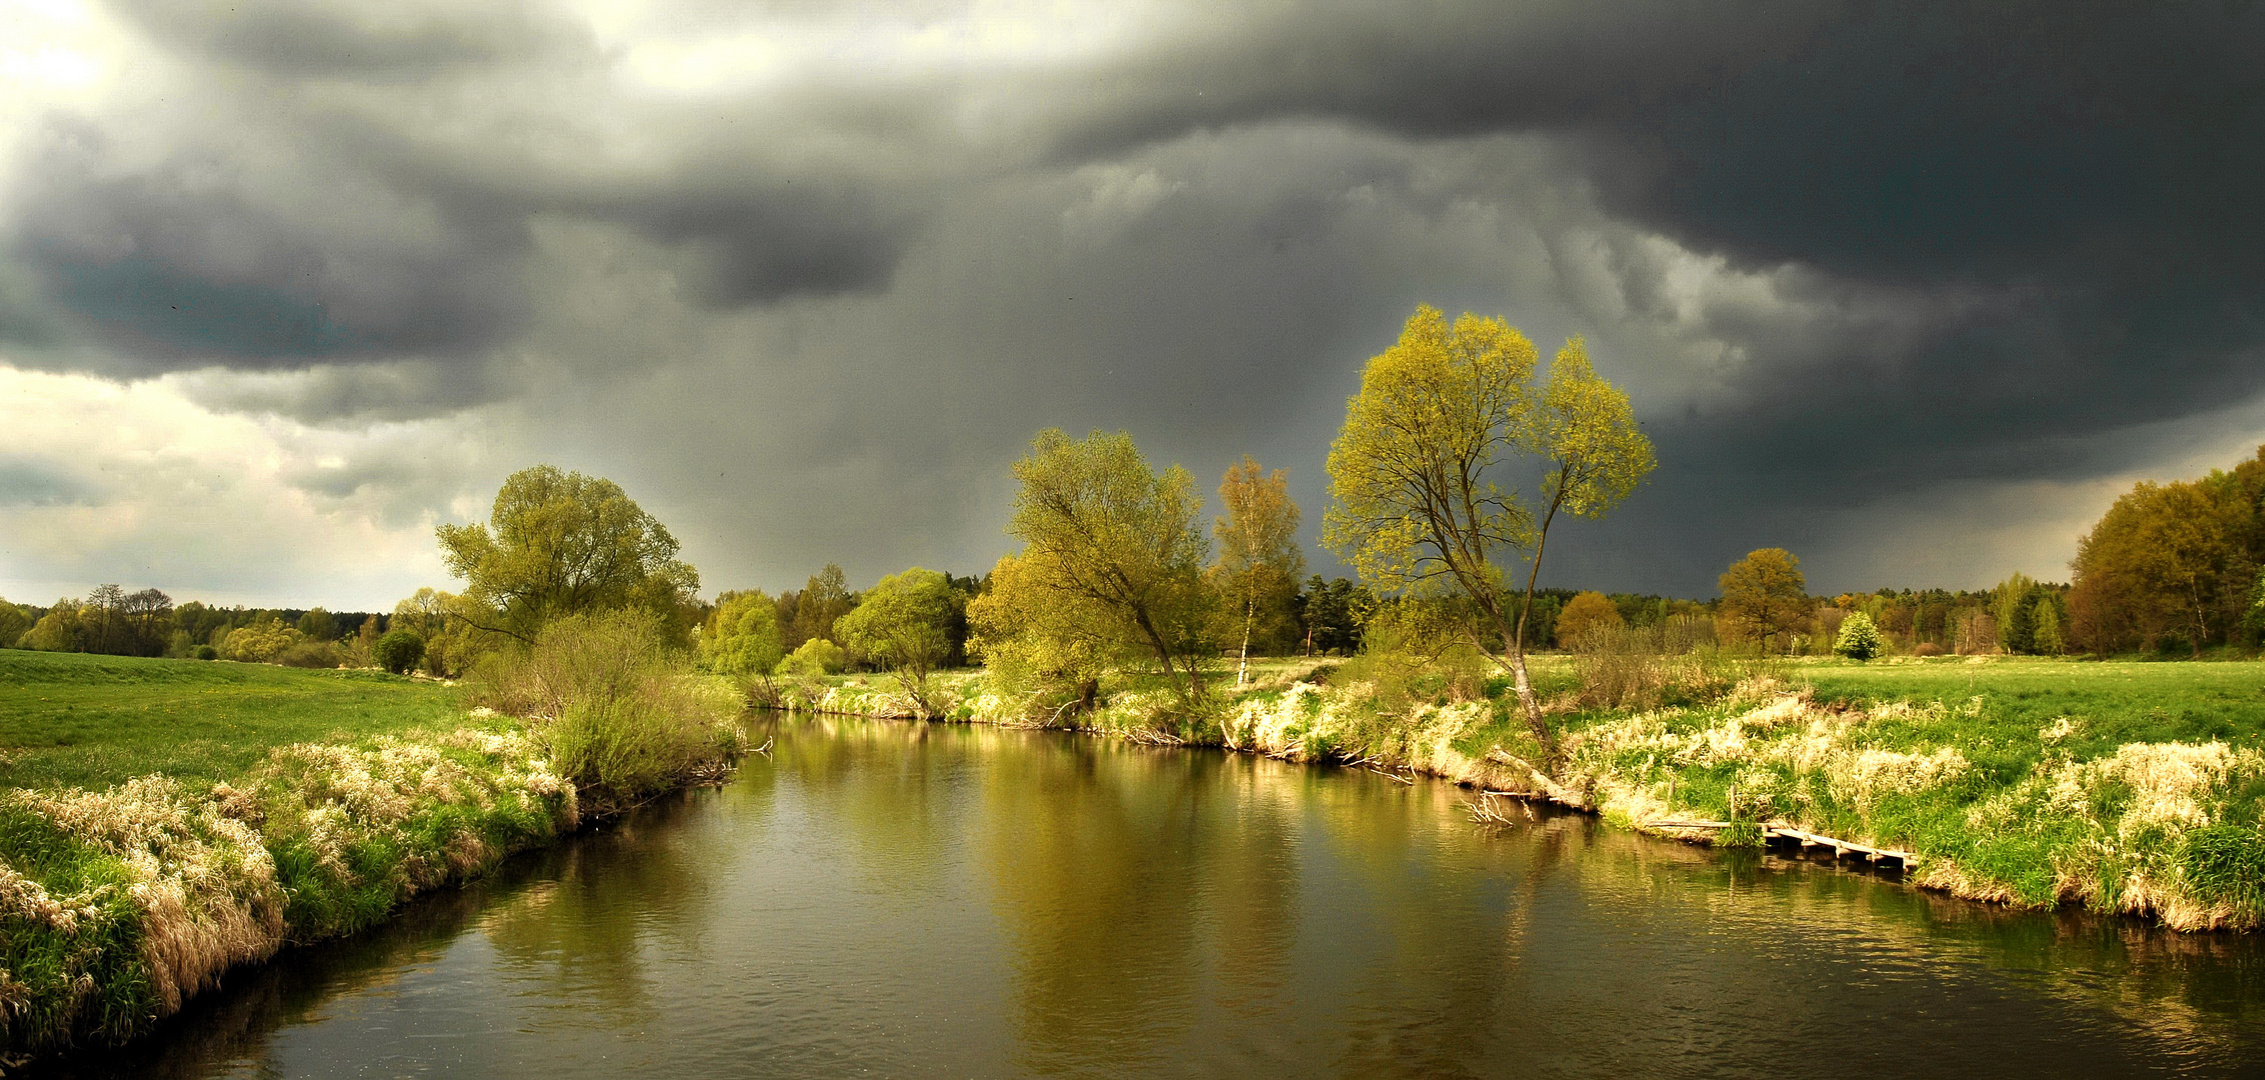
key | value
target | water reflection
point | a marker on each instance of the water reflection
(908, 899)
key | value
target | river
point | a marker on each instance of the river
(887, 899)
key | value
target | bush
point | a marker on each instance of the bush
(813, 658)
(205, 652)
(1859, 639)
(312, 654)
(615, 704)
(399, 651)
(1927, 648)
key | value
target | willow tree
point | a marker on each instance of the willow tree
(905, 624)
(1259, 561)
(1416, 477)
(1103, 532)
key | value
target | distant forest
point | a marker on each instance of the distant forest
(2171, 569)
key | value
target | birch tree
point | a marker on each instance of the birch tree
(1259, 561)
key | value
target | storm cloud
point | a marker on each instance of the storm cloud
(1911, 289)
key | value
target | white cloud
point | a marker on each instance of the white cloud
(215, 506)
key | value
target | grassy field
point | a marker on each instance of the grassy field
(2114, 702)
(81, 720)
(162, 821)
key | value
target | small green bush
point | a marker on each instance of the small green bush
(205, 652)
(1859, 639)
(399, 651)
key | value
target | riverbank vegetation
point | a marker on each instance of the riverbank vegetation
(167, 820)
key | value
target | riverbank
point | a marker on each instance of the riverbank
(2131, 788)
(283, 807)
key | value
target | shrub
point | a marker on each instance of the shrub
(399, 651)
(312, 654)
(615, 705)
(260, 642)
(205, 652)
(1859, 639)
(813, 658)
(1927, 648)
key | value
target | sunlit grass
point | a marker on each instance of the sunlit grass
(75, 719)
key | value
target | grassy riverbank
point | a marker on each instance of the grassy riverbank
(2128, 787)
(162, 821)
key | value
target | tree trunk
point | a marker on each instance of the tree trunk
(1242, 665)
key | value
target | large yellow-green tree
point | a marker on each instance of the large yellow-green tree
(561, 543)
(1764, 597)
(1104, 532)
(1259, 561)
(905, 624)
(1417, 475)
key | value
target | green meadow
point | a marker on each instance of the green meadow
(91, 721)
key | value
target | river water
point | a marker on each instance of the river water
(888, 899)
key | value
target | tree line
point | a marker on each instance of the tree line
(147, 622)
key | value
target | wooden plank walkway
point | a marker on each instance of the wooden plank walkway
(1840, 848)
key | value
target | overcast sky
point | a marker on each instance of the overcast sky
(1914, 292)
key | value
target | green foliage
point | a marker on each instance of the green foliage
(1331, 614)
(1764, 598)
(616, 706)
(1105, 535)
(564, 544)
(2170, 562)
(313, 654)
(204, 652)
(260, 642)
(742, 638)
(1859, 639)
(1259, 561)
(1039, 645)
(2225, 864)
(811, 613)
(14, 623)
(317, 625)
(399, 651)
(56, 631)
(1413, 506)
(905, 623)
(814, 658)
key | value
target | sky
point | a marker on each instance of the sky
(1911, 290)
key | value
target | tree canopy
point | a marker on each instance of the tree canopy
(905, 623)
(1764, 597)
(1105, 533)
(1417, 504)
(2171, 561)
(559, 543)
(742, 637)
(1585, 612)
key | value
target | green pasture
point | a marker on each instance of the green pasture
(83, 720)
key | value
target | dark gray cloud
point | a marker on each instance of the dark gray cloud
(323, 39)
(31, 482)
(1844, 256)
